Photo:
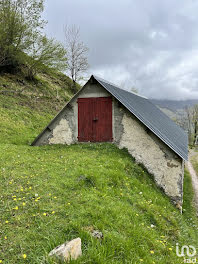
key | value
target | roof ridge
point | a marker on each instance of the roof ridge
(161, 130)
(103, 80)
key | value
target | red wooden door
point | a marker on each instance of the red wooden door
(95, 119)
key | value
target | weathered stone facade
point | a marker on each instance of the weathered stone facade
(128, 132)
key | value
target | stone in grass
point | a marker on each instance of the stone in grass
(97, 234)
(68, 251)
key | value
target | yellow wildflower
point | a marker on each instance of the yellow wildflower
(24, 204)
(6, 221)
(24, 256)
(16, 208)
(1, 261)
(170, 249)
(53, 212)
(152, 252)
(5, 237)
(44, 214)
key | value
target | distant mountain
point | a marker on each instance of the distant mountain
(174, 105)
(176, 109)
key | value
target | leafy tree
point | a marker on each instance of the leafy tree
(45, 52)
(20, 25)
(22, 41)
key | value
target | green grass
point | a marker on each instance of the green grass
(194, 160)
(52, 194)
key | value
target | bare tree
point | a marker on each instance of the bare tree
(76, 53)
(195, 121)
(192, 123)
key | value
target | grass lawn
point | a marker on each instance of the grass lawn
(52, 194)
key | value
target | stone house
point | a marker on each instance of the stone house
(102, 112)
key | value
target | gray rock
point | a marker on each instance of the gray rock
(68, 251)
(97, 234)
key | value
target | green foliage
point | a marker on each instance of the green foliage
(45, 52)
(22, 43)
(20, 25)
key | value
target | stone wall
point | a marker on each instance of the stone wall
(128, 132)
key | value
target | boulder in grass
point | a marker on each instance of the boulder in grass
(68, 251)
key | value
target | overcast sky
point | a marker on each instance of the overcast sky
(148, 44)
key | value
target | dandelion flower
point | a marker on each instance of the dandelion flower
(5, 237)
(170, 249)
(1, 261)
(30, 188)
(55, 197)
(14, 199)
(24, 256)
(24, 204)
(53, 212)
(152, 252)
(68, 203)
(16, 208)
(6, 221)
(44, 214)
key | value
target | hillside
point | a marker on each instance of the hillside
(174, 105)
(175, 109)
(26, 107)
(51, 194)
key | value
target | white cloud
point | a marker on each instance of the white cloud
(152, 45)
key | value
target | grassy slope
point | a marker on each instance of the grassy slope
(26, 107)
(51, 194)
(194, 160)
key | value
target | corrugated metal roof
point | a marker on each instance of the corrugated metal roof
(152, 117)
